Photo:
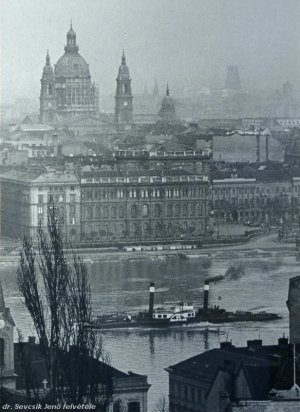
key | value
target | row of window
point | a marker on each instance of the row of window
(142, 193)
(186, 392)
(72, 220)
(56, 188)
(252, 190)
(157, 228)
(72, 211)
(136, 211)
(257, 202)
(57, 198)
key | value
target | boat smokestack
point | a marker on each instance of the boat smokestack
(206, 294)
(293, 304)
(151, 298)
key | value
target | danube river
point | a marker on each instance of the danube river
(256, 279)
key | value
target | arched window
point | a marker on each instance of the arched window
(135, 229)
(89, 213)
(121, 212)
(169, 210)
(177, 210)
(184, 210)
(192, 209)
(145, 211)
(113, 212)
(157, 210)
(97, 211)
(133, 211)
(105, 212)
(200, 209)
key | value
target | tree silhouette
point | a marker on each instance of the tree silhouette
(57, 295)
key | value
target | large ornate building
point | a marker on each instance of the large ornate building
(67, 90)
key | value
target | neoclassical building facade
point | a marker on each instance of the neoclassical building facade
(143, 206)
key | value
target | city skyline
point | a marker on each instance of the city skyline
(199, 39)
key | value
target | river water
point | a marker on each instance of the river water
(257, 279)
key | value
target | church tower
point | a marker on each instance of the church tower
(48, 102)
(123, 98)
(7, 376)
(155, 90)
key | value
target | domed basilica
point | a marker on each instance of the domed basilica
(67, 90)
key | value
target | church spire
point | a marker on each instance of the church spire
(123, 58)
(47, 58)
(167, 91)
(155, 90)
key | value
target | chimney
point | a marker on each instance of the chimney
(225, 345)
(206, 294)
(31, 340)
(254, 344)
(151, 298)
(283, 341)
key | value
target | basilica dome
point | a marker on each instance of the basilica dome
(167, 111)
(71, 64)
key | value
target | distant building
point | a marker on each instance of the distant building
(67, 90)
(129, 390)
(25, 197)
(167, 111)
(233, 81)
(230, 376)
(143, 206)
(158, 195)
(263, 198)
(123, 98)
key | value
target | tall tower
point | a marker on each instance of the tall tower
(7, 376)
(123, 98)
(155, 90)
(233, 81)
(48, 102)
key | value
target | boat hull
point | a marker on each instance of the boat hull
(202, 320)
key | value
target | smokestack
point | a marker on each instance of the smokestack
(151, 298)
(293, 305)
(206, 293)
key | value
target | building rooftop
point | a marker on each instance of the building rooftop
(266, 367)
(27, 176)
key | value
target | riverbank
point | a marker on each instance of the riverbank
(257, 244)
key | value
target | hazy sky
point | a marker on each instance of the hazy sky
(190, 43)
